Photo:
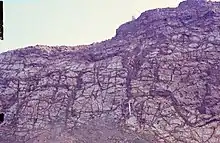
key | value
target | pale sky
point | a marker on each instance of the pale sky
(69, 22)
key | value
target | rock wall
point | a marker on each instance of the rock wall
(158, 79)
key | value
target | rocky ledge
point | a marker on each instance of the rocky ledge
(157, 79)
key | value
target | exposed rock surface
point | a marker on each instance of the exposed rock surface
(157, 80)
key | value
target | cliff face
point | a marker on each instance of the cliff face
(158, 79)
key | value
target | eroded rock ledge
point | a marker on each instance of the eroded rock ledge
(160, 75)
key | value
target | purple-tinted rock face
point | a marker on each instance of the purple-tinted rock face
(157, 80)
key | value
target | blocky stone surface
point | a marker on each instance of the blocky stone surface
(157, 80)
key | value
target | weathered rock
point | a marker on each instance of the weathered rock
(158, 79)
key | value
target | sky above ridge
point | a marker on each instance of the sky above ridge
(68, 22)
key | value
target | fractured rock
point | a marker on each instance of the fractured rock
(159, 73)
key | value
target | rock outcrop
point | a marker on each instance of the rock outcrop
(157, 80)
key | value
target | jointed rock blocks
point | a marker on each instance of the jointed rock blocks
(159, 76)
